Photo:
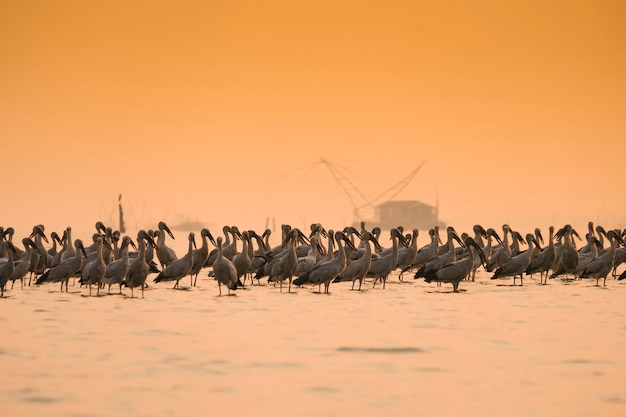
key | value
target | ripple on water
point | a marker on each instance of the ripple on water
(406, 349)
(322, 390)
(583, 361)
(616, 399)
(429, 369)
(29, 395)
(273, 365)
(40, 400)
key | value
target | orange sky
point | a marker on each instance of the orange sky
(194, 110)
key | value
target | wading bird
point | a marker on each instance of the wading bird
(455, 272)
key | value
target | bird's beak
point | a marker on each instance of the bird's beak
(356, 232)
(376, 244)
(349, 243)
(167, 229)
(303, 239)
(458, 239)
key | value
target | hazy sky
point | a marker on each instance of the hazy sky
(197, 110)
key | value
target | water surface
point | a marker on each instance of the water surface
(410, 349)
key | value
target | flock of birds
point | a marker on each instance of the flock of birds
(320, 257)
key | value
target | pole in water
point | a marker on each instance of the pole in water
(122, 228)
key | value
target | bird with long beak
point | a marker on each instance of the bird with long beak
(517, 264)
(326, 272)
(358, 268)
(164, 253)
(63, 271)
(382, 266)
(181, 267)
(602, 265)
(455, 272)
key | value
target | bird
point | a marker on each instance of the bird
(116, 270)
(267, 234)
(569, 254)
(93, 272)
(258, 258)
(39, 261)
(456, 271)
(307, 262)
(230, 250)
(285, 266)
(101, 230)
(620, 258)
(6, 268)
(178, 268)
(224, 270)
(479, 234)
(53, 250)
(201, 254)
(487, 250)
(544, 260)
(242, 260)
(358, 268)
(68, 250)
(442, 259)
(583, 259)
(225, 243)
(588, 246)
(325, 272)
(500, 254)
(317, 230)
(151, 249)
(594, 243)
(407, 254)
(65, 269)
(381, 267)
(251, 254)
(425, 253)
(516, 238)
(149, 253)
(22, 265)
(8, 234)
(165, 254)
(138, 269)
(517, 264)
(602, 265)
(276, 254)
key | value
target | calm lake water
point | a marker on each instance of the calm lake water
(410, 349)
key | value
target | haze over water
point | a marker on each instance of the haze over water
(197, 111)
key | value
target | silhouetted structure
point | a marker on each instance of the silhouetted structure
(407, 213)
